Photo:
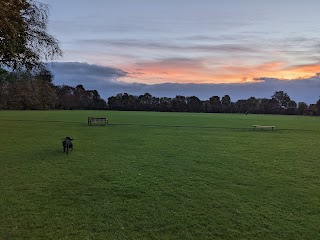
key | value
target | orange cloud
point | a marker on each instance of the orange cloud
(198, 71)
(306, 69)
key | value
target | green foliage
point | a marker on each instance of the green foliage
(24, 41)
(158, 176)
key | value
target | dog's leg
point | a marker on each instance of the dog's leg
(67, 149)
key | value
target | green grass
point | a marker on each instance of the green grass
(158, 176)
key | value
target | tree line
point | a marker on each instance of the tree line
(22, 90)
(25, 83)
(25, 91)
(279, 103)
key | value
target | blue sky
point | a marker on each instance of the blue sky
(241, 48)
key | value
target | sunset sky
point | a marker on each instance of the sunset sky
(139, 45)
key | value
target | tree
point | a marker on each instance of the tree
(312, 109)
(80, 98)
(252, 104)
(292, 107)
(179, 104)
(20, 90)
(302, 108)
(282, 99)
(215, 103)
(194, 104)
(241, 106)
(24, 41)
(146, 101)
(165, 104)
(226, 103)
(318, 106)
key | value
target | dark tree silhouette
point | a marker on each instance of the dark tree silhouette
(281, 98)
(226, 103)
(24, 41)
(147, 102)
(194, 104)
(215, 104)
(179, 104)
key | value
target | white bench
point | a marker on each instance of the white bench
(260, 126)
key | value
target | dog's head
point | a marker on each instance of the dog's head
(68, 139)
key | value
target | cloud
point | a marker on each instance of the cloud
(209, 70)
(107, 81)
(219, 58)
(82, 72)
(167, 46)
(306, 68)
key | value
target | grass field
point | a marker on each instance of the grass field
(159, 176)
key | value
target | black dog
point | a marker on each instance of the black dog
(67, 144)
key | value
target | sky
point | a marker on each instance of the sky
(242, 48)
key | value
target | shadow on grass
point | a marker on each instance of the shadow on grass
(44, 121)
(210, 127)
(50, 151)
(183, 126)
(84, 123)
(54, 155)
